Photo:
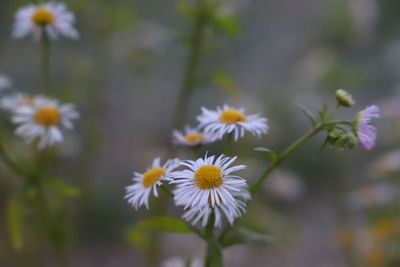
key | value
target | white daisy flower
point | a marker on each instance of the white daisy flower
(138, 193)
(53, 18)
(231, 211)
(14, 101)
(209, 184)
(181, 262)
(43, 119)
(5, 82)
(192, 137)
(228, 120)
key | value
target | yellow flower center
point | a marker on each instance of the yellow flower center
(47, 116)
(232, 116)
(42, 16)
(152, 176)
(208, 176)
(194, 137)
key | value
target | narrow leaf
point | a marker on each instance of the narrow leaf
(65, 189)
(138, 238)
(273, 154)
(244, 235)
(309, 115)
(165, 223)
(226, 82)
(15, 223)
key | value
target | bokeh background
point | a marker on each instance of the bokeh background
(325, 208)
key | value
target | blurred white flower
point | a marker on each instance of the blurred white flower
(284, 185)
(180, 262)
(209, 183)
(192, 137)
(227, 120)
(138, 194)
(371, 196)
(14, 101)
(388, 163)
(5, 82)
(43, 119)
(53, 18)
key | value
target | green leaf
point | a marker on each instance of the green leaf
(63, 188)
(226, 82)
(272, 153)
(185, 9)
(15, 223)
(165, 223)
(227, 23)
(244, 235)
(138, 238)
(309, 115)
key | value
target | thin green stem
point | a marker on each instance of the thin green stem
(192, 65)
(228, 145)
(275, 163)
(12, 165)
(167, 190)
(213, 257)
(45, 61)
(294, 146)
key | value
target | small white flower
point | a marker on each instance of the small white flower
(192, 137)
(371, 196)
(228, 120)
(208, 184)
(52, 17)
(181, 262)
(14, 101)
(5, 82)
(231, 211)
(43, 119)
(138, 193)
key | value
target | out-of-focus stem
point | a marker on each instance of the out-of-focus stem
(45, 61)
(228, 145)
(193, 63)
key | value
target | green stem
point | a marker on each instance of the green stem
(167, 190)
(294, 146)
(228, 145)
(192, 65)
(281, 157)
(213, 256)
(12, 165)
(45, 61)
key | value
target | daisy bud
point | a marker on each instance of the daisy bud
(342, 140)
(344, 98)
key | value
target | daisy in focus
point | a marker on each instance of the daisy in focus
(192, 137)
(42, 120)
(366, 133)
(208, 184)
(144, 183)
(231, 211)
(50, 18)
(228, 120)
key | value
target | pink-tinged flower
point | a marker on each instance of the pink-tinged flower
(366, 133)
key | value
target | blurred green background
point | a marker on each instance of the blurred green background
(269, 56)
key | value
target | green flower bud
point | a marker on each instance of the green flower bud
(344, 98)
(342, 140)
